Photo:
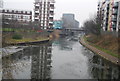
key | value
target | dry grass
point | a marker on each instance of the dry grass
(30, 38)
(106, 42)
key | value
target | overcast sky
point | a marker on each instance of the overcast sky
(82, 9)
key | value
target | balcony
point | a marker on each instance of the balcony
(114, 19)
(51, 20)
(51, 15)
(51, 12)
(36, 11)
(37, 20)
(52, 5)
(115, 12)
(108, 8)
(52, 9)
(49, 61)
(36, 7)
(36, 17)
(107, 12)
(115, 5)
(36, 14)
(49, 56)
(113, 26)
(50, 23)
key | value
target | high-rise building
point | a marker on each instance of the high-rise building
(116, 16)
(44, 13)
(109, 14)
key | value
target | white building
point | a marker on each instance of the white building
(44, 13)
(19, 15)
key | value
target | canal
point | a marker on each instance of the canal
(63, 58)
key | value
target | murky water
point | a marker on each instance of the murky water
(64, 58)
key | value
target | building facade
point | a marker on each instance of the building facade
(44, 13)
(58, 24)
(69, 21)
(116, 16)
(19, 15)
(77, 24)
(109, 14)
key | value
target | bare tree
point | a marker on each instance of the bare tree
(92, 26)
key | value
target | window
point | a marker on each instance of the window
(19, 11)
(12, 11)
(5, 10)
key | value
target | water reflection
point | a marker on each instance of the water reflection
(64, 43)
(41, 62)
(70, 60)
(101, 68)
(14, 64)
(84, 63)
(33, 62)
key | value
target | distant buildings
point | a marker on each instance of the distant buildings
(77, 24)
(44, 13)
(109, 15)
(69, 21)
(58, 24)
(18, 15)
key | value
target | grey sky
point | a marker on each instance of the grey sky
(81, 8)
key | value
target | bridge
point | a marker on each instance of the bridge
(67, 31)
(73, 29)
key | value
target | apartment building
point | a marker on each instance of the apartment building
(116, 16)
(19, 15)
(44, 13)
(100, 12)
(108, 14)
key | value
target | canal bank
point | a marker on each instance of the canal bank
(30, 42)
(62, 58)
(99, 52)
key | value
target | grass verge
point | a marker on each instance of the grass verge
(15, 41)
(102, 49)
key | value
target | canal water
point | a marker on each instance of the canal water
(63, 58)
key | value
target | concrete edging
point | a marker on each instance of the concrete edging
(27, 43)
(108, 57)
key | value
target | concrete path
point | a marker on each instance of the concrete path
(101, 53)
